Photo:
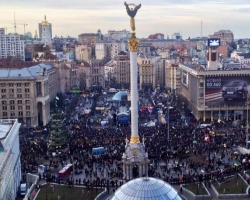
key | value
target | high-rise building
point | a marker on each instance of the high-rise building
(10, 165)
(11, 45)
(45, 31)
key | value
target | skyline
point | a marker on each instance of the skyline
(161, 16)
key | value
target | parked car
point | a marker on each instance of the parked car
(235, 90)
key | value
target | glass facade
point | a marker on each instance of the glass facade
(146, 188)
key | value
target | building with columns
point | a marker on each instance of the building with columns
(10, 165)
(26, 94)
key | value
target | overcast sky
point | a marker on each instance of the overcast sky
(73, 17)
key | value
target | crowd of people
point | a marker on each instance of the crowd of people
(189, 153)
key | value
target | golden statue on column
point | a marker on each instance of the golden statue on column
(132, 12)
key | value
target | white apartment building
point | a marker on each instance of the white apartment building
(109, 49)
(11, 45)
(10, 165)
(118, 35)
(172, 75)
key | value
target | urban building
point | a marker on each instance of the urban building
(11, 45)
(226, 36)
(118, 35)
(144, 49)
(83, 53)
(26, 94)
(110, 50)
(10, 165)
(243, 59)
(89, 39)
(121, 65)
(157, 36)
(45, 32)
(173, 75)
(92, 74)
(214, 94)
(148, 71)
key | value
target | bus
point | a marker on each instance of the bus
(66, 171)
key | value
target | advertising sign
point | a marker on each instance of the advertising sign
(213, 42)
(227, 90)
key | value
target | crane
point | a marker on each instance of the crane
(24, 25)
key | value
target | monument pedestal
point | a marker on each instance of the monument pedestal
(135, 161)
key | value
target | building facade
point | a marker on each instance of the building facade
(118, 35)
(83, 53)
(226, 36)
(89, 39)
(11, 45)
(25, 94)
(121, 65)
(10, 165)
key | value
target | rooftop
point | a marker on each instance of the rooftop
(5, 127)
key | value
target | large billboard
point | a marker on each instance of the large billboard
(213, 42)
(227, 90)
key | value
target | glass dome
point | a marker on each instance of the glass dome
(146, 188)
(118, 96)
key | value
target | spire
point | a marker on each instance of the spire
(45, 22)
(36, 35)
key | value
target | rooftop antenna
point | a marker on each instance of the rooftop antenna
(15, 22)
(201, 29)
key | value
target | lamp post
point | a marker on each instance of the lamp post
(168, 121)
(247, 125)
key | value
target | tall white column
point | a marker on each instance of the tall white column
(133, 46)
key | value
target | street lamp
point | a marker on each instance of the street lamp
(168, 121)
(247, 125)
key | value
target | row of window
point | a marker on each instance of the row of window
(19, 90)
(13, 107)
(4, 102)
(12, 96)
(13, 114)
(17, 84)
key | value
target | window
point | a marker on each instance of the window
(19, 96)
(12, 107)
(12, 102)
(11, 90)
(11, 85)
(27, 90)
(12, 114)
(19, 90)
(5, 114)
(11, 96)
(4, 96)
(2, 84)
(201, 83)
(20, 113)
(19, 84)
(3, 90)
(20, 107)
(4, 102)
(27, 101)
(27, 95)
(4, 107)
(26, 84)
(27, 107)
(19, 102)
(27, 113)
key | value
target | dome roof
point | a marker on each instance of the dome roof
(146, 188)
(118, 96)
